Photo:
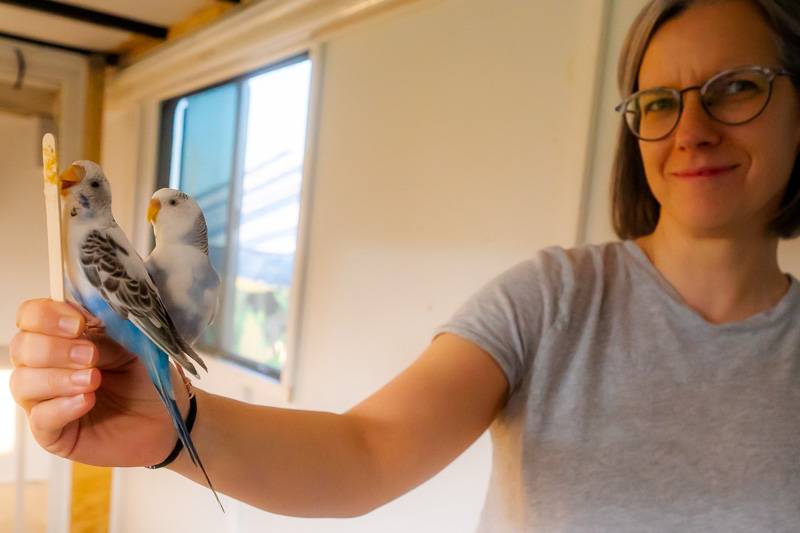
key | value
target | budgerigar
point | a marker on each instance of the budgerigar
(179, 263)
(108, 278)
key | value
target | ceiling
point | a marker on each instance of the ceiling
(110, 27)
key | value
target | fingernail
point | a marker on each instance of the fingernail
(81, 377)
(81, 353)
(76, 401)
(69, 325)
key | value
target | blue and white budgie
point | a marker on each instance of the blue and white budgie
(179, 264)
(108, 278)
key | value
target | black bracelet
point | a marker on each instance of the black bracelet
(179, 445)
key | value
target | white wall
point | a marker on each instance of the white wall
(598, 208)
(24, 269)
(22, 219)
(451, 145)
(442, 159)
(23, 236)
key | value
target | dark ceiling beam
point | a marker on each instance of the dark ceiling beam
(93, 17)
(111, 59)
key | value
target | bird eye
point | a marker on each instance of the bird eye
(173, 202)
(95, 184)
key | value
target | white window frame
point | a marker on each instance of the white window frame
(262, 34)
(224, 313)
(226, 377)
(184, 76)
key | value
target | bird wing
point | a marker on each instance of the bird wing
(121, 279)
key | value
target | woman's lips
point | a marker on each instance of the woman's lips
(704, 172)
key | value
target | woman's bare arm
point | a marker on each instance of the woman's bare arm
(309, 463)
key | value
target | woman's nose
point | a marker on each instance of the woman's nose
(695, 126)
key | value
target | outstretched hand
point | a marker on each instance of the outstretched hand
(87, 399)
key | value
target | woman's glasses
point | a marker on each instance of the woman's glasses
(732, 97)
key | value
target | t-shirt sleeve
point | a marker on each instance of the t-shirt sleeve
(510, 314)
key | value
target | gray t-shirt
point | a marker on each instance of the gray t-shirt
(628, 411)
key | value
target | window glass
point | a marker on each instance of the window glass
(238, 148)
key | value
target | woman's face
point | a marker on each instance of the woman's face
(688, 50)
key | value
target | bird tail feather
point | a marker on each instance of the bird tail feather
(160, 375)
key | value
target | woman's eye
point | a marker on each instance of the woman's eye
(739, 86)
(662, 104)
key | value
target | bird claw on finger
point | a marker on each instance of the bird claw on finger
(96, 330)
(94, 322)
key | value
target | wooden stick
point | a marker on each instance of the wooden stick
(52, 201)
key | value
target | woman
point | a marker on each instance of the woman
(650, 384)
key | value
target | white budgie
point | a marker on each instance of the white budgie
(179, 264)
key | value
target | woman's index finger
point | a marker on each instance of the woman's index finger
(51, 318)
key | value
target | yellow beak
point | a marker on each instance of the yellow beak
(73, 175)
(152, 210)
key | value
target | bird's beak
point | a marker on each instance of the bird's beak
(152, 210)
(73, 175)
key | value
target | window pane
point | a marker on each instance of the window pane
(205, 131)
(270, 207)
(241, 146)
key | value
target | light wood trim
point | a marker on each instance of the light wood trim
(28, 100)
(241, 40)
(199, 19)
(95, 89)
(91, 499)
(139, 46)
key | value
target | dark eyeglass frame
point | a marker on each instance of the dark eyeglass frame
(770, 73)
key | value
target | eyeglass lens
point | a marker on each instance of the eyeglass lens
(733, 98)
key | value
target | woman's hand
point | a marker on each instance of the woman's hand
(87, 398)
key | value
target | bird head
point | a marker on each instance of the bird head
(85, 190)
(173, 214)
